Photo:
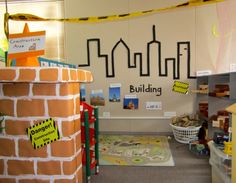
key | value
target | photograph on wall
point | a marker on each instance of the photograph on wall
(130, 102)
(82, 93)
(114, 92)
(97, 98)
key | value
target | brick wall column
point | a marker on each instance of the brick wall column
(29, 96)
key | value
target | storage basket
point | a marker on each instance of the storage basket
(185, 134)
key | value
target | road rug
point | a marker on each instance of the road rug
(134, 150)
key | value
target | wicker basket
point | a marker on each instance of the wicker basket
(185, 134)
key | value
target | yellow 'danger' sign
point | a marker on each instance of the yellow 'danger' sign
(180, 87)
(43, 133)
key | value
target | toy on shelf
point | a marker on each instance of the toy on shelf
(202, 89)
(228, 145)
(221, 90)
(203, 108)
(89, 138)
(221, 120)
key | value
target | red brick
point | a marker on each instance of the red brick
(89, 77)
(81, 75)
(33, 181)
(18, 167)
(79, 176)
(66, 89)
(76, 88)
(63, 148)
(7, 147)
(66, 180)
(48, 74)
(44, 89)
(69, 167)
(69, 89)
(73, 74)
(1, 166)
(68, 128)
(16, 127)
(26, 149)
(26, 108)
(7, 107)
(27, 75)
(2, 180)
(61, 108)
(65, 74)
(77, 107)
(78, 141)
(7, 74)
(79, 159)
(77, 125)
(49, 167)
(16, 89)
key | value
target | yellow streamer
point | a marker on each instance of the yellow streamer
(30, 17)
(6, 27)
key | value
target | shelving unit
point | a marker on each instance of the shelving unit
(217, 101)
(89, 139)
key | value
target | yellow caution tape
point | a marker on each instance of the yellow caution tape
(30, 17)
(6, 27)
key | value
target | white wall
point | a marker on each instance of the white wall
(185, 24)
(216, 37)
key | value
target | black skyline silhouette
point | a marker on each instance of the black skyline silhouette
(138, 57)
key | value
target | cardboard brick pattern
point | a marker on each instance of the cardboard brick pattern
(29, 95)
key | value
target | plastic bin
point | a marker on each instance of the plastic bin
(218, 176)
(221, 164)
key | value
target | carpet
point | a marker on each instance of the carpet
(134, 150)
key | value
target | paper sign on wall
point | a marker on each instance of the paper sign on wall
(154, 105)
(43, 133)
(180, 87)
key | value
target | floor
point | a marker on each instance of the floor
(189, 168)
